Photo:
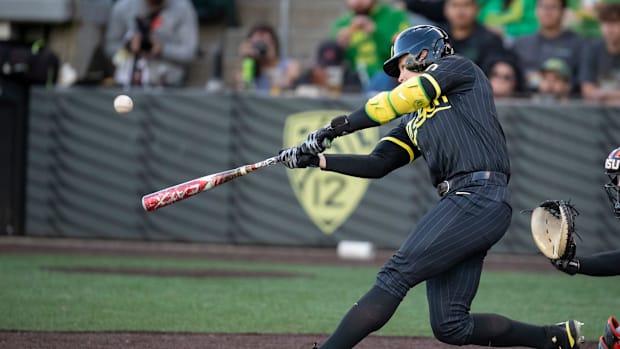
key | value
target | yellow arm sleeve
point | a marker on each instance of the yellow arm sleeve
(405, 98)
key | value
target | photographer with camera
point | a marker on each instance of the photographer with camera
(151, 42)
(262, 68)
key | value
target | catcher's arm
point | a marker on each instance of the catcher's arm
(600, 264)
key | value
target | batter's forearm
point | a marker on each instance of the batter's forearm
(385, 158)
(600, 264)
(363, 166)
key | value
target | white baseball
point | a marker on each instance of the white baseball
(123, 104)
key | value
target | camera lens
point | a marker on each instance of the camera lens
(261, 48)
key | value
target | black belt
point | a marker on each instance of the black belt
(461, 180)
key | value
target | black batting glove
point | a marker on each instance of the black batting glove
(296, 158)
(568, 266)
(318, 141)
(308, 160)
(322, 138)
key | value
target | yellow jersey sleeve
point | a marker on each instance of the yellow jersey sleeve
(406, 98)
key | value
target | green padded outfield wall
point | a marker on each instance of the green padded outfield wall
(88, 167)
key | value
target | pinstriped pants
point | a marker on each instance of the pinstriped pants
(447, 249)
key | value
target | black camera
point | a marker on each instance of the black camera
(261, 49)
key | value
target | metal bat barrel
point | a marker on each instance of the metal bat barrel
(175, 193)
(170, 195)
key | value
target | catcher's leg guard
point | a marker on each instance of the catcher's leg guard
(611, 336)
(564, 335)
(602, 344)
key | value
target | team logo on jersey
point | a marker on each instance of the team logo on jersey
(328, 198)
(439, 104)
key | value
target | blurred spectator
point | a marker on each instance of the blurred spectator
(505, 75)
(262, 68)
(509, 18)
(363, 32)
(151, 42)
(330, 73)
(468, 37)
(550, 41)
(600, 63)
(555, 82)
(581, 17)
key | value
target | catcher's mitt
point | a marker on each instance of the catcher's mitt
(553, 229)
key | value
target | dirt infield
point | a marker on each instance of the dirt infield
(158, 340)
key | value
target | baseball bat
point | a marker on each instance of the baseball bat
(176, 193)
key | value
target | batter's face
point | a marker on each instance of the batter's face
(405, 74)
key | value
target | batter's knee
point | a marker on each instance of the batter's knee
(396, 281)
(454, 332)
(393, 283)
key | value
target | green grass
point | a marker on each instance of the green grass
(32, 298)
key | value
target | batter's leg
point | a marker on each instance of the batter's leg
(367, 315)
(450, 296)
(438, 243)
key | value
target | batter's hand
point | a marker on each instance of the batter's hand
(318, 141)
(296, 158)
(322, 138)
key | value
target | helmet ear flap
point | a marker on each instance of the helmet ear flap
(417, 64)
(410, 63)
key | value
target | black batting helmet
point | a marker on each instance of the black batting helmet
(612, 169)
(424, 43)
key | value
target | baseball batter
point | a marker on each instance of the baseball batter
(449, 119)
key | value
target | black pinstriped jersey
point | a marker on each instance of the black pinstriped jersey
(459, 131)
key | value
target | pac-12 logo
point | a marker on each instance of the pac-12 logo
(328, 198)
